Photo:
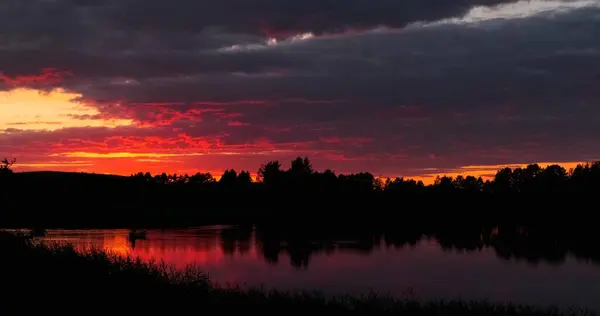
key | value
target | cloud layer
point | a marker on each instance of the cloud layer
(393, 87)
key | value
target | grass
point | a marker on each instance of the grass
(56, 278)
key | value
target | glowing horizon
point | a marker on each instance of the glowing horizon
(94, 166)
(130, 155)
(402, 89)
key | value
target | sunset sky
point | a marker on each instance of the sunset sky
(408, 88)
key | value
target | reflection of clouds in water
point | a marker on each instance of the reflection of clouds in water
(113, 241)
(236, 257)
(202, 247)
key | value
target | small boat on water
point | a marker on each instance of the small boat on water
(137, 234)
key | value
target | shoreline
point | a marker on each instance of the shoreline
(122, 283)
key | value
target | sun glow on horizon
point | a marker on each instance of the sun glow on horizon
(32, 110)
(121, 164)
(486, 172)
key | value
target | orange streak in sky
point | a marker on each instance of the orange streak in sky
(31, 110)
(487, 172)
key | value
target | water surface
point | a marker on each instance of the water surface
(244, 256)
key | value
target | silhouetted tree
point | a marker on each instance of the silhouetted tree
(5, 166)
(326, 182)
(444, 184)
(301, 166)
(244, 178)
(299, 176)
(468, 184)
(503, 181)
(201, 178)
(229, 178)
(357, 182)
(553, 179)
(270, 173)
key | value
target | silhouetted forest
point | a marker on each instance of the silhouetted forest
(296, 195)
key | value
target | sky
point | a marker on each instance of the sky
(411, 88)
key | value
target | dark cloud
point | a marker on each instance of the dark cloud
(84, 34)
(41, 19)
(419, 83)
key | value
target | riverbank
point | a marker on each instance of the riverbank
(35, 277)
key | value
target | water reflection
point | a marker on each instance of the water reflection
(495, 263)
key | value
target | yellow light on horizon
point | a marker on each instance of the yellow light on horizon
(486, 172)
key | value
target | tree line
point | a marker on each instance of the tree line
(295, 194)
(301, 176)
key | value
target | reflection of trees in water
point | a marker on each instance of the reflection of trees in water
(460, 238)
(299, 246)
(519, 244)
(236, 239)
(509, 243)
(533, 245)
(300, 252)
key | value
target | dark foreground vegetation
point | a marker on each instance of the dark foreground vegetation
(298, 194)
(57, 279)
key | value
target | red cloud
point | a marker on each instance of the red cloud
(354, 141)
(225, 103)
(47, 76)
(181, 142)
(166, 113)
(237, 123)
